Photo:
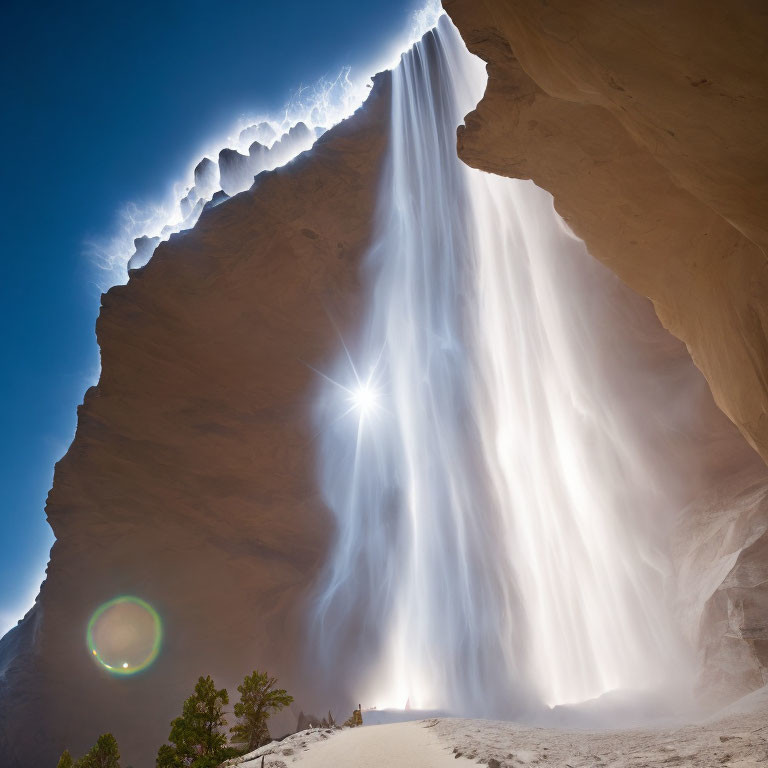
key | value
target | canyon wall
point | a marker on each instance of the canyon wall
(646, 122)
(191, 479)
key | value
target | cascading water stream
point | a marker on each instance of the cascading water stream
(495, 547)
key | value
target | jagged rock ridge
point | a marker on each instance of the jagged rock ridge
(232, 173)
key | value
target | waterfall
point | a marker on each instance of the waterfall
(498, 529)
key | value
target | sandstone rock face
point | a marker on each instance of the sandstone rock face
(646, 123)
(191, 479)
(721, 549)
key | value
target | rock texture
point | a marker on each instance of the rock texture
(721, 547)
(735, 736)
(646, 121)
(190, 482)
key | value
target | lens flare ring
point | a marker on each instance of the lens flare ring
(125, 668)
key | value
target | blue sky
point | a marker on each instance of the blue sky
(106, 104)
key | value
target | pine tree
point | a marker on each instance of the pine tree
(197, 740)
(103, 754)
(258, 700)
(168, 757)
(65, 761)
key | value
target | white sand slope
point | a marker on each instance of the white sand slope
(395, 745)
(736, 738)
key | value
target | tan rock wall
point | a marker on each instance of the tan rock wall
(720, 547)
(646, 123)
(191, 479)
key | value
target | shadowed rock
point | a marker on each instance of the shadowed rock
(206, 178)
(145, 247)
(190, 481)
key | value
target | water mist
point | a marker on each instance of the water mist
(497, 526)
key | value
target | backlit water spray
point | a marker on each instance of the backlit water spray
(495, 550)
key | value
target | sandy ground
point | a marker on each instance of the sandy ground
(510, 746)
(395, 744)
(736, 738)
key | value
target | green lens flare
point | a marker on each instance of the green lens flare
(124, 635)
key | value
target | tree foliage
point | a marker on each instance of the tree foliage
(197, 739)
(259, 698)
(103, 754)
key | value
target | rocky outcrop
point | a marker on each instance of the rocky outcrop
(261, 132)
(721, 550)
(190, 482)
(646, 123)
(236, 171)
(145, 247)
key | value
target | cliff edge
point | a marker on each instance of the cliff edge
(190, 481)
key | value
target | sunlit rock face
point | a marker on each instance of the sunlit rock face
(646, 126)
(190, 482)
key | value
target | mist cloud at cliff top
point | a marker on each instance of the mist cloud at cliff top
(108, 108)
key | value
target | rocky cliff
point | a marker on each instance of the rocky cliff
(191, 479)
(646, 123)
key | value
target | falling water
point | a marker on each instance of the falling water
(495, 547)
